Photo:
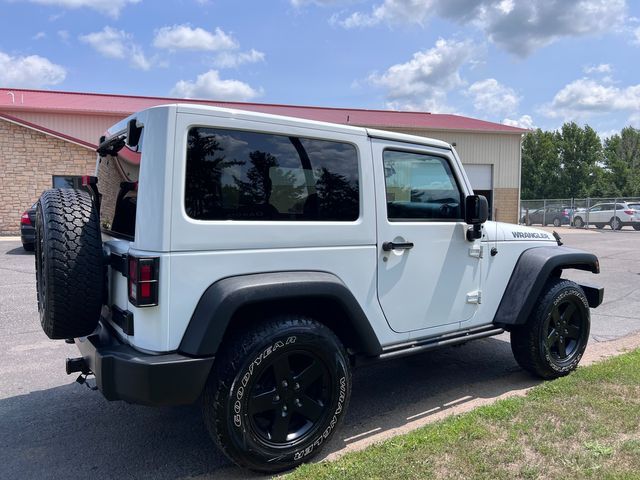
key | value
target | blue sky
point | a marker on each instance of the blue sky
(528, 63)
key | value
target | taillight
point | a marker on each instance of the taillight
(24, 219)
(630, 212)
(143, 281)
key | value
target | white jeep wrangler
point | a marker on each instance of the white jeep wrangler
(251, 261)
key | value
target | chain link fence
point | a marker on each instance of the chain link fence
(613, 213)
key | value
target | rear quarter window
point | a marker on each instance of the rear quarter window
(240, 175)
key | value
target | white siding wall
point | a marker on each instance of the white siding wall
(84, 127)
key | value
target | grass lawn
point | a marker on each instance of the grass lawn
(586, 425)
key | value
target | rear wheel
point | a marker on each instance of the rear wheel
(555, 336)
(557, 222)
(636, 227)
(29, 247)
(615, 223)
(69, 268)
(277, 393)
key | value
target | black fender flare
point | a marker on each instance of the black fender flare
(222, 299)
(531, 272)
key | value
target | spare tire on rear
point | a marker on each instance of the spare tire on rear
(69, 263)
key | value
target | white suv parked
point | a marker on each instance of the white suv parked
(253, 260)
(616, 215)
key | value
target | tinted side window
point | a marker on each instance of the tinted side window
(420, 187)
(237, 175)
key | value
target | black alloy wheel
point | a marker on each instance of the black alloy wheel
(552, 341)
(278, 390)
(290, 398)
(562, 331)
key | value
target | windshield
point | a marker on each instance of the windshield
(118, 184)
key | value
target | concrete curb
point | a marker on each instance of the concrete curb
(595, 352)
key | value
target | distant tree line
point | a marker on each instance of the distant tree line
(574, 163)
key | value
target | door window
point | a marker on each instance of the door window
(420, 187)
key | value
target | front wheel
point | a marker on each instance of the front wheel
(578, 222)
(277, 393)
(636, 227)
(557, 222)
(553, 340)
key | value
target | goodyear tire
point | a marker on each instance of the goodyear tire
(69, 268)
(277, 393)
(553, 340)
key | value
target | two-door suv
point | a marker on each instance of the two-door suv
(251, 261)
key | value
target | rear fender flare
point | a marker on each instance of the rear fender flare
(222, 299)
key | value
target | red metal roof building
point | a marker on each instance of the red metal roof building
(490, 151)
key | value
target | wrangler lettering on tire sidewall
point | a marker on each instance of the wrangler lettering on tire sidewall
(286, 399)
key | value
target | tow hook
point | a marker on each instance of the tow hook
(73, 365)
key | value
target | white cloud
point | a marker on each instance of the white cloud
(118, 44)
(518, 27)
(235, 59)
(39, 36)
(33, 71)
(424, 81)
(210, 85)
(636, 36)
(585, 98)
(493, 98)
(108, 7)
(322, 3)
(602, 68)
(390, 11)
(525, 121)
(185, 37)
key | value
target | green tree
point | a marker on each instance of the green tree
(622, 161)
(540, 165)
(580, 152)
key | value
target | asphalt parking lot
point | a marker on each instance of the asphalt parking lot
(52, 427)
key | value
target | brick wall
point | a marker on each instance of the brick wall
(505, 202)
(27, 160)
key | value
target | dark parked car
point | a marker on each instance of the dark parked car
(555, 215)
(27, 229)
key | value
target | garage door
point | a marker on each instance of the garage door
(480, 176)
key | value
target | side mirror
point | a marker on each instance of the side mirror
(476, 212)
(134, 132)
(476, 209)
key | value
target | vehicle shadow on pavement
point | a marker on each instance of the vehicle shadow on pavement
(18, 251)
(70, 432)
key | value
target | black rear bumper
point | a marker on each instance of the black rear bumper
(123, 373)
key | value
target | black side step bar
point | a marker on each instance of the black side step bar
(431, 343)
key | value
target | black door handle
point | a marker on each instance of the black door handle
(388, 246)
